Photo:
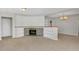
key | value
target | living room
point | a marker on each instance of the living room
(39, 29)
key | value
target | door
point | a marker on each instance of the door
(6, 27)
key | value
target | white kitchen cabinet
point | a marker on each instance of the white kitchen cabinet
(51, 32)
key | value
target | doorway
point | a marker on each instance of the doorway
(6, 27)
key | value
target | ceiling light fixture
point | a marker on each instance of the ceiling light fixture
(23, 9)
(63, 17)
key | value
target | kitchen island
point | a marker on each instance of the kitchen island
(50, 32)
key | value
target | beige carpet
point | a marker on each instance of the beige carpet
(37, 43)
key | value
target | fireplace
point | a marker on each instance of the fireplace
(32, 32)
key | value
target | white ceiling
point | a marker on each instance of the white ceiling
(68, 12)
(39, 11)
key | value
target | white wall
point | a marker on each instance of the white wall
(78, 26)
(27, 21)
(0, 28)
(30, 21)
(69, 26)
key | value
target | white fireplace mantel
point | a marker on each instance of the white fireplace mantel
(48, 32)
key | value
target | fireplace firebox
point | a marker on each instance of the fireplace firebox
(32, 32)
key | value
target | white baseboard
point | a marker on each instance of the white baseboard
(67, 34)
